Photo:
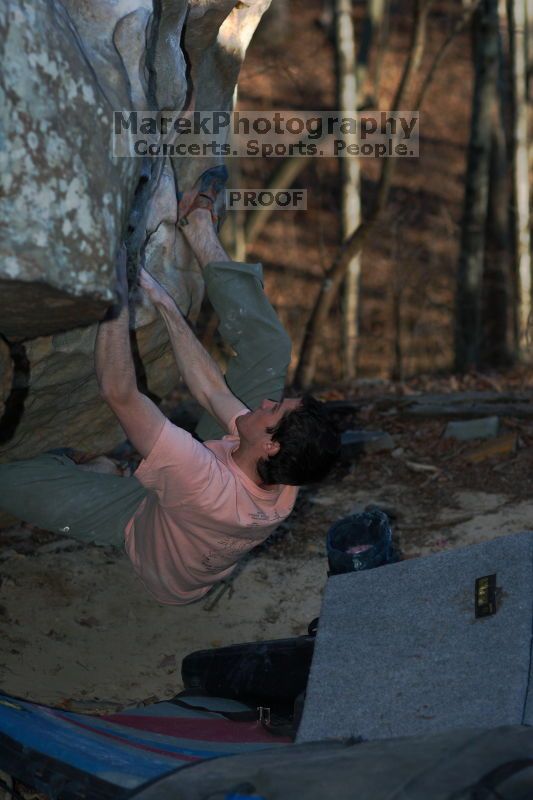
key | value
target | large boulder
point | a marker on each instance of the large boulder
(69, 202)
(64, 198)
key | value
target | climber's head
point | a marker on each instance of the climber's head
(295, 441)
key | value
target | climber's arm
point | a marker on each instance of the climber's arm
(200, 372)
(141, 419)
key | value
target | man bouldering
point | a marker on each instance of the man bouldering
(192, 509)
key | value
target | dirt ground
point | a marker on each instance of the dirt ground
(77, 628)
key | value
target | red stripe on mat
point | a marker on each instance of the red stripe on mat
(209, 730)
(138, 746)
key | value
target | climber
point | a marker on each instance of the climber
(192, 509)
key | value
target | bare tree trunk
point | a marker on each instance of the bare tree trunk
(497, 278)
(516, 10)
(373, 31)
(498, 348)
(529, 49)
(350, 178)
(352, 246)
(471, 259)
(529, 67)
(397, 372)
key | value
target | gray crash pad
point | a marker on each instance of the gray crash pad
(400, 651)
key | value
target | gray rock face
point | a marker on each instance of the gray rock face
(64, 199)
(68, 202)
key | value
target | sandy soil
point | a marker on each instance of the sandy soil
(78, 625)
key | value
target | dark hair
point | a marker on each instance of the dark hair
(309, 446)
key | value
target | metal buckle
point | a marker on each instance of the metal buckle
(264, 715)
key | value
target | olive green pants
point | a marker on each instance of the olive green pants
(51, 492)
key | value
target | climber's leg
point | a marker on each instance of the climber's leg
(248, 323)
(51, 492)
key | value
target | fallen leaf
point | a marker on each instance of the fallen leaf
(493, 448)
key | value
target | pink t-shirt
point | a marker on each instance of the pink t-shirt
(202, 515)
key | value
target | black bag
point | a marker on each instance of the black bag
(272, 673)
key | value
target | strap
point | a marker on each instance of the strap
(277, 726)
(235, 716)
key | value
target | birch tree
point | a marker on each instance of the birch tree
(350, 181)
(518, 19)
